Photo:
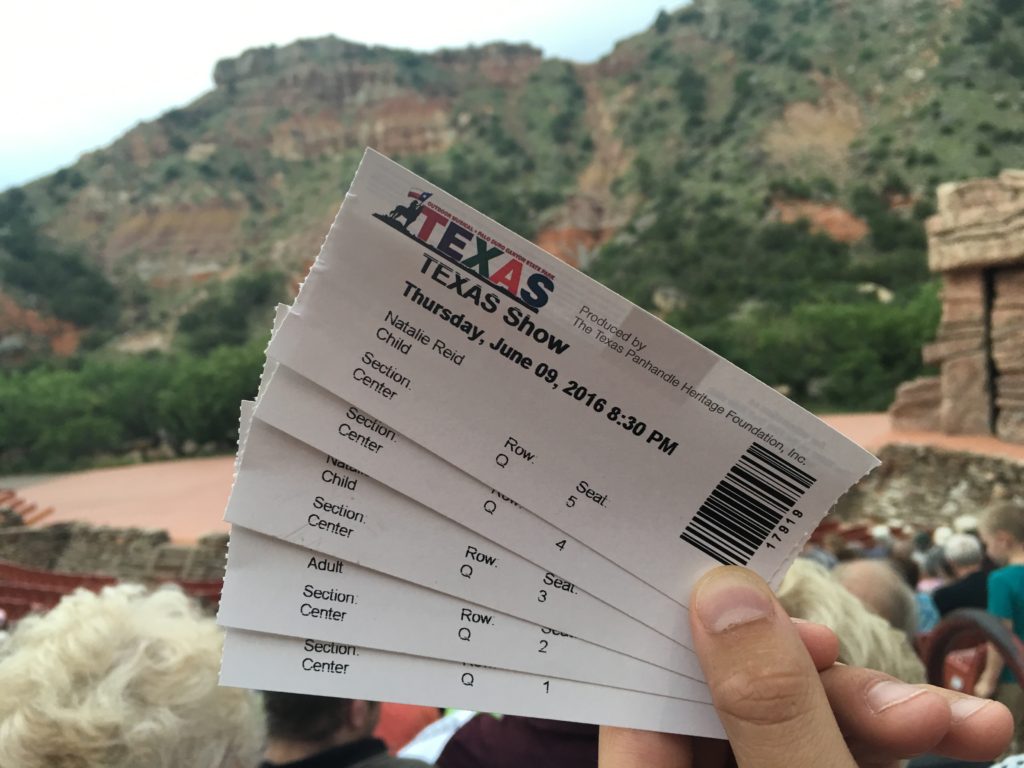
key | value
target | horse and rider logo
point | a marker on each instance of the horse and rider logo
(407, 213)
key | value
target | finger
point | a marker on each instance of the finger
(979, 729)
(763, 682)
(882, 718)
(629, 748)
(820, 641)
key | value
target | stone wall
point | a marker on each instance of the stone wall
(110, 551)
(128, 553)
(927, 487)
(35, 547)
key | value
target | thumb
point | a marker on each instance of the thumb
(762, 680)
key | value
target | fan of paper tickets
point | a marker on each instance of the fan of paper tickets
(475, 478)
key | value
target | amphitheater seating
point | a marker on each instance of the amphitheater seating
(28, 512)
(16, 608)
(46, 598)
(11, 573)
(206, 591)
(37, 516)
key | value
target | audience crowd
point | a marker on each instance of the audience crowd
(128, 677)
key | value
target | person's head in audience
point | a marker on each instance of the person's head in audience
(940, 535)
(882, 537)
(882, 590)
(903, 548)
(811, 593)
(922, 541)
(121, 679)
(300, 725)
(907, 569)
(966, 524)
(334, 731)
(936, 570)
(963, 553)
(1002, 530)
(838, 546)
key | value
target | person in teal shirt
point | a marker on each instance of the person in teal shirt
(1002, 530)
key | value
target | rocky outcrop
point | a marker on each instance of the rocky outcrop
(590, 217)
(976, 242)
(394, 126)
(231, 176)
(832, 220)
(581, 228)
(330, 68)
(25, 331)
(817, 134)
(177, 241)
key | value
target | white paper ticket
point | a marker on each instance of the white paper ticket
(558, 393)
(307, 594)
(310, 413)
(276, 663)
(293, 492)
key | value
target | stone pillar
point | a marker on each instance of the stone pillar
(976, 243)
(960, 349)
(1008, 352)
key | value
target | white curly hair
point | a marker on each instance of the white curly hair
(126, 677)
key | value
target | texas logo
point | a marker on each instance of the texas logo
(455, 240)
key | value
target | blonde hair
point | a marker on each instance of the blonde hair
(122, 678)
(865, 640)
(1006, 516)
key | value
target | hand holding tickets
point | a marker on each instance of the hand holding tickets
(475, 478)
(779, 712)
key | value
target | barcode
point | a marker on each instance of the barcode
(746, 505)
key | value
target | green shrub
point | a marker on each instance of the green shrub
(231, 313)
(799, 62)
(63, 418)
(62, 281)
(692, 88)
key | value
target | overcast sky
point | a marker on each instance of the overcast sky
(74, 76)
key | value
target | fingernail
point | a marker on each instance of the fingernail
(889, 693)
(961, 709)
(727, 599)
